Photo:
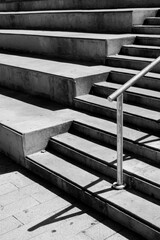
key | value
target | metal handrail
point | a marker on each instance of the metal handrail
(118, 94)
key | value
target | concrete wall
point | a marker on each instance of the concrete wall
(75, 4)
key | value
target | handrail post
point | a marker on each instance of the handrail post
(119, 184)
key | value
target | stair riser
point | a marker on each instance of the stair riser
(131, 98)
(55, 47)
(145, 82)
(71, 4)
(152, 21)
(130, 146)
(100, 22)
(150, 30)
(106, 169)
(136, 121)
(147, 41)
(132, 64)
(96, 203)
(150, 53)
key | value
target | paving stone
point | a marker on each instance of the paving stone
(9, 224)
(44, 196)
(67, 221)
(31, 214)
(6, 188)
(125, 234)
(68, 228)
(80, 236)
(15, 207)
(101, 231)
(16, 178)
(44, 224)
(38, 192)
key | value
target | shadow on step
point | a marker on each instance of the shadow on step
(36, 101)
(97, 223)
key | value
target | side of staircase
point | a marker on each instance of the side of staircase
(81, 158)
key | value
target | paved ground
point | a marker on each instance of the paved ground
(31, 208)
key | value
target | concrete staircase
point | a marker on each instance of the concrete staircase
(151, 26)
(52, 49)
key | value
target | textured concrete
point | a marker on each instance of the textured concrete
(55, 215)
(141, 51)
(17, 5)
(102, 21)
(131, 62)
(134, 95)
(80, 140)
(73, 179)
(71, 149)
(136, 116)
(27, 124)
(63, 45)
(58, 81)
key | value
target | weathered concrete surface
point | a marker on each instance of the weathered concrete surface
(58, 81)
(28, 123)
(102, 21)
(63, 45)
(78, 145)
(137, 116)
(131, 62)
(17, 5)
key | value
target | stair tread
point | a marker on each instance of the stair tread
(129, 109)
(126, 57)
(148, 35)
(141, 46)
(64, 34)
(146, 26)
(96, 184)
(134, 72)
(71, 70)
(136, 90)
(152, 17)
(131, 164)
(71, 11)
(128, 133)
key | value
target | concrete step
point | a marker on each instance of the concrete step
(131, 62)
(18, 5)
(70, 46)
(152, 21)
(151, 40)
(96, 191)
(34, 120)
(146, 29)
(101, 21)
(138, 142)
(42, 77)
(121, 75)
(140, 51)
(138, 117)
(134, 95)
(79, 147)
